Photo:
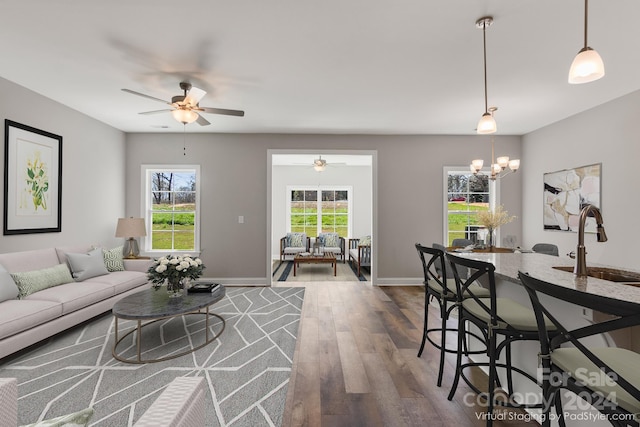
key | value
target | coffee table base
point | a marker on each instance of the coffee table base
(138, 329)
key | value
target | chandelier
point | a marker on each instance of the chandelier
(499, 166)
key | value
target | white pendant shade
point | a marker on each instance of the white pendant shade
(487, 124)
(586, 67)
(185, 116)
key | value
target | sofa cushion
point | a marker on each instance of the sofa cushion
(37, 280)
(113, 259)
(87, 265)
(29, 260)
(74, 296)
(121, 281)
(19, 315)
(8, 288)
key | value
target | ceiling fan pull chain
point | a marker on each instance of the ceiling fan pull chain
(184, 139)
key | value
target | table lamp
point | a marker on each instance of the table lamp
(130, 228)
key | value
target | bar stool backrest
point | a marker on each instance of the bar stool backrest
(433, 276)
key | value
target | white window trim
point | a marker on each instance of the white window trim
(145, 209)
(347, 188)
(494, 195)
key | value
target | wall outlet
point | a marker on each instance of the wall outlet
(241, 219)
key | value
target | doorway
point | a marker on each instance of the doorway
(354, 170)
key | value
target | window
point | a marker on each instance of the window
(465, 195)
(317, 210)
(172, 208)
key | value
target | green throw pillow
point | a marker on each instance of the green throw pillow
(365, 241)
(113, 259)
(77, 419)
(297, 240)
(30, 282)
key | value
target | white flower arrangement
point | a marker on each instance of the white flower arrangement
(173, 269)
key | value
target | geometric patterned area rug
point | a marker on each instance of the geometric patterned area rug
(246, 369)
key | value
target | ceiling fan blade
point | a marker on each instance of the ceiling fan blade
(145, 96)
(223, 111)
(202, 121)
(155, 112)
(194, 96)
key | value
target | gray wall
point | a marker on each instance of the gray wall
(93, 183)
(234, 182)
(606, 134)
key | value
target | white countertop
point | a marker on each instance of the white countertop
(540, 267)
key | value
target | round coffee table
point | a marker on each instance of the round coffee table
(153, 305)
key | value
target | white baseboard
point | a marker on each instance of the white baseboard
(400, 281)
(262, 281)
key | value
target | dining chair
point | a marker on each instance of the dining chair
(545, 248)
(441, 288)
(607, 378)
(501, 321)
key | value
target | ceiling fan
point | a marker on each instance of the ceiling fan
(319, 164)
(186, 107)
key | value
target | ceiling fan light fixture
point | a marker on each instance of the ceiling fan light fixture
(184, 116)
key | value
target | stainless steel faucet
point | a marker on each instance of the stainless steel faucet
(580, 269)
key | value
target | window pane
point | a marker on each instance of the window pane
(172, 209)
(466, 195)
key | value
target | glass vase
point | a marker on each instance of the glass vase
(491, 238)
(175, 287)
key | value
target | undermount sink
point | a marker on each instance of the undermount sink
(604, 273)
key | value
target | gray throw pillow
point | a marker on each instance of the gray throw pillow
(85, 266)
(8, 288)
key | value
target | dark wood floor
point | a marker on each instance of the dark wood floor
(356, 363)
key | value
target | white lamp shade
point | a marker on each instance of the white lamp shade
(514, 164)
(131, 227)
(185, 116)
(586, 67)
(503, 161)
(477, 164)
(487, 124)
(318, 167)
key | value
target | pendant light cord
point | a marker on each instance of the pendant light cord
(586, 14)
(484, 41)
(184, 139)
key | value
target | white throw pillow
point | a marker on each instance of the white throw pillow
(85, 266)
(8, 288)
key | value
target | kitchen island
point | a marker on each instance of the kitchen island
(525, 353)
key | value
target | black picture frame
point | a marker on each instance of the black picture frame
(32, 180)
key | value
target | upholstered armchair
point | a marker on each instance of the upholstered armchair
(293, 243)
(360, 252)
(332, 242)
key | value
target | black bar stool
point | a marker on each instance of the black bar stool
(501, 321)
(439, 287)
(617, 392)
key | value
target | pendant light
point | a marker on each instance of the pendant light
(487, 123)
(587, 66)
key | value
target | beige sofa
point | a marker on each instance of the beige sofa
(181, 404)
(26, 321)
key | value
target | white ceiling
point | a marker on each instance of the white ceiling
(332, 66)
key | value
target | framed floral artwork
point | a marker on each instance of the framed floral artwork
(566, 192)
(32, 180)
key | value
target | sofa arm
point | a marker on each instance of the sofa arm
(181, 404)
(9, 401)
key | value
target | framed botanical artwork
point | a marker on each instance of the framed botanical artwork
(32, 180)
(566, 192)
